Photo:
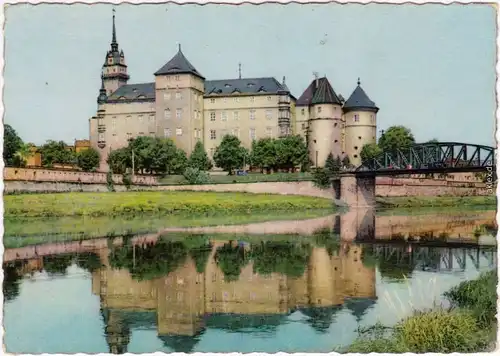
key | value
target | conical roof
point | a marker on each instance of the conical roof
(359, 101)
(179, 64)
(325, 94)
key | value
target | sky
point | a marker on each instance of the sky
(430, 68)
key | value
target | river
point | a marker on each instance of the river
(286, 285)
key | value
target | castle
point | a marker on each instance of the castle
(185, 107)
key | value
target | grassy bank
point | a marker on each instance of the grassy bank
(21, 232)
(469, 325)
(445, 201)
(134, 203)
(250, 178)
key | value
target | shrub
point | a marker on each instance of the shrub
(479, 296)
(109, 181)
(127, 180)
(195, 176)
(441, 331)
(321, 179)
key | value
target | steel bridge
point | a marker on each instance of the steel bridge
(437, 259)
(439, 157)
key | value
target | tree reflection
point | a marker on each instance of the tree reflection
(11, 280)
(57, 265)
(327, 239)
(280, 257)
(231, 259)
(320, 318)
(88, 261)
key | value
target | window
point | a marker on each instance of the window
(151, 118)
(252, 134)
(252, 114)
(212, 115)
(140, 118)
(177, 77)
(303, 111)
(113, 121)
(141, 133)
(235, 132)
(197, 133)
(319, 109)
(178, 113)
(268, 98)
(129, 135)
(213, 135)
(303, 126)
(224, 100)
(359, 137)
(372, 117)
(236, 99)
(101, 137)
(269, 114)
(178, 95)
(167, 96)
(356, 148)
(236, 115)
(212, 101)
(223, 133)
(223, 116)
(167, 132)
(356, 118)
(178, 132)
(269, 131)
(167, 114)
(252, 99)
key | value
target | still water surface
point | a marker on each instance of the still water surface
(212, 292)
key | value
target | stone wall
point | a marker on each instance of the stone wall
(68, 176)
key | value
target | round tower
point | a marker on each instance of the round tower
(324, 123)
(360, 116)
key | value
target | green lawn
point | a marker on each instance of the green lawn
(444, 201)
(250, 178)
(136, 203)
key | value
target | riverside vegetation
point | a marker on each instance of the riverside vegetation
(468, 325)
(133, 203)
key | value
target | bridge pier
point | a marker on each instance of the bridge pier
(357, 225)
(355, 191)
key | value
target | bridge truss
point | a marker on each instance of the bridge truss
(434, 158)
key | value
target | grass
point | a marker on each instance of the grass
(468, 326)
(443, 201)
(21, 232)
(250, 178)
(135, 203)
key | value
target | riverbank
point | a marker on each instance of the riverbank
(443, 201)
(136, 203)
(469, 325)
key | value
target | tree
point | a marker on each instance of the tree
(119, 160)
(263, 153)
(396, 138)
(88, 160)
(11, 144)
(369, 152)
(434, 140)
(291, 151)
(199, 158)
(22, 155)
(54, 152)
(346, 162)
(332, 165)
(229, 155)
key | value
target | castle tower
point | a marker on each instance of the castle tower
(284, 110)
(114, 69)
(360, 116)
(179, 102)
(325, 123)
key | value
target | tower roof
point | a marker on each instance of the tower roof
(179, 64)
(359, 101)
(319, 91)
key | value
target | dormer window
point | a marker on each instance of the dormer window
(250, 85)
(121, 98)
(227, 85)
(134, 90)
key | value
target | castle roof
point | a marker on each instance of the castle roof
(264, 85)
(359, 101)
(179, 64)
(133, 92)
(319, 91)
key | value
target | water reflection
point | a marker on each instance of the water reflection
(186, 286)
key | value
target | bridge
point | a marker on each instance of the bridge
(357, 187)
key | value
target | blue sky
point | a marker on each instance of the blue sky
(430, 68)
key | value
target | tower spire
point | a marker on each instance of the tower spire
(359, 81)
(239, 70)
(114, 44)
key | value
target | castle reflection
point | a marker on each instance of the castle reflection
(227, 285)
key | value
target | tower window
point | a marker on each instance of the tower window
(252, 99)
(356, 118)
(212, 116)
(336, 141)
(268, 98)
(319, 109)
(359, 137)
(177, 77)
(335, 125)
(178, 95)
(355, 147)
(355, 156)
(213, 135)
(303, 111)
(212, 101)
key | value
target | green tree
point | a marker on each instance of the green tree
(346, 162)
(369, 152)
(119, 160)
(320, 178)
(230, 155)
(332, 165)
(11, 145)
(291, 151)
(199, 158)
(396, 138)
(56, 152)
(263, 154)
(88, 160)
(22, 155)
(231, 259)
(434, 140)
